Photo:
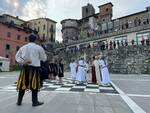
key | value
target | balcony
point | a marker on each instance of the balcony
(113, 33)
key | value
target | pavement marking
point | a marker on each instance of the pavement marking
(138, 95)
(146, 75)
(7, 77)
(4, 90)
(133, 106)
(133, 80)
(63, 92)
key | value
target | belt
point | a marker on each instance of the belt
(81, 66)
(104, 66)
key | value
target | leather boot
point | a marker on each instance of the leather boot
(19, 102)
(35, 101)
(20, 97)
(37, 104)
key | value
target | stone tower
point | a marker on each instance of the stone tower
(87, 10)
(105, 12)
(69, 30)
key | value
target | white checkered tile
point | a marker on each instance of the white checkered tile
(79, 87)
(69, 85)
(91, 90)
(10, 87)
(54, 86)
(106, 88)
(92, 85)
(62, 89)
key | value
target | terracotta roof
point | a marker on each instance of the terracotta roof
(106, 4)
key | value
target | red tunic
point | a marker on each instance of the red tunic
(94, 80)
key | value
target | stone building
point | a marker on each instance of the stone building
(70, 31)
(5, 18)
(45, 27)
(87, 10)
(101, 28)
(105, 13)
(125, 40)
(14, 33)
(12, 37)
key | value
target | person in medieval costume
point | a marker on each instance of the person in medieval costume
(97, 70)
(88, 76)
(55, 64)
(51, 70)
(73, 70)
(60, 70)
(94, 80)
(104, 71)
(44, 71)
(81, 71)
(85, 69)
(29, 57)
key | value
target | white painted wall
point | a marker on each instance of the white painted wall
(5, 64)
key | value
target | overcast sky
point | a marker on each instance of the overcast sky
(63, 9)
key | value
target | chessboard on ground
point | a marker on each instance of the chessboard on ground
(68, 86)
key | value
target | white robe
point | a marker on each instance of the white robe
(88, 76)
(81, 74)
(97, 70)
(73, 72)
(104, 72)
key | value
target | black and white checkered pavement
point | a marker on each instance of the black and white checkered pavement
(68, 86)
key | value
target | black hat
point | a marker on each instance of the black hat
(32, 38)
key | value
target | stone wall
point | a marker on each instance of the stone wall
(130, 59)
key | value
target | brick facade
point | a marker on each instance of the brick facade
(11, 39)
